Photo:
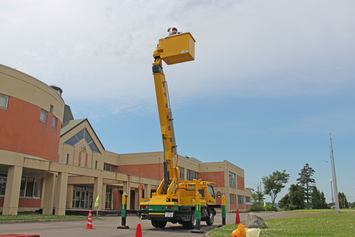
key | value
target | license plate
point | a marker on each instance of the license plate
(169, 214)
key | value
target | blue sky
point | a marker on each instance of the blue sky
(270, 81)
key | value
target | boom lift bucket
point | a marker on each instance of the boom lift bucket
(177, 48)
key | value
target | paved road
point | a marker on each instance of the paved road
(107, 226)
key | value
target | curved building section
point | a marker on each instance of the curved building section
(31, 115)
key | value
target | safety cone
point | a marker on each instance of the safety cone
(237, 218)
(139, 230)
(89, 223)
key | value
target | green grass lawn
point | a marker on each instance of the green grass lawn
(327, 223)
(36, 216)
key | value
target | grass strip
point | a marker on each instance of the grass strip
(36, 216)
(327, 224)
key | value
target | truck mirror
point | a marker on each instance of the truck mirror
(219, 194)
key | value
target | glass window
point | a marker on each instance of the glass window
(2, 186)
(29, 187)
(109, 167)
(240, 200)
(54, 124)
(81, 135)
(67, 159)
(51, 108)
(37, 188)
(3, 101)
(232, 180)
(23, 187)
(231, 199)
(182, 173)
(211, 191)
(43, 117)
(247, 199)
(191, 175)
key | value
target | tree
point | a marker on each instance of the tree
(343, 202)
(306, 181)
(274, 183)
(297, 196)
(294, 199)
(318, 199)
(285, 201)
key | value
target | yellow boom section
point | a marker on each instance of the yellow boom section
(173, 49)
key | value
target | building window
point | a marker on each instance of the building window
(67, 159)
(182, 173)
(191, 175)
(51, 108)
(247, 199)
(3, 101)
(231, 199)
(31, 187)
(109, 167)
(83, 134)
(54, 124)
(232, 180)
(43, 117)
(95, 164)
(240, 200)
(2, 186)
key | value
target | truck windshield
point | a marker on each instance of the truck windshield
(211, 191)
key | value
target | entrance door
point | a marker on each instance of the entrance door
(82, 197)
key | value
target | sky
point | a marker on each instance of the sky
(270, 80)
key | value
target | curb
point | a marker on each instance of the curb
(40, 220)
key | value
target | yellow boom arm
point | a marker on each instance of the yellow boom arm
(172, 49)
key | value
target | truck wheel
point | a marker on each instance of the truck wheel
(161, 224)
(210, 218)
(185, 224)
(155, 223)
(192, 222)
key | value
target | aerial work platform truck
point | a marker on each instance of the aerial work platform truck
(175, 200)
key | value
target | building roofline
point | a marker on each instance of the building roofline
(76, 125)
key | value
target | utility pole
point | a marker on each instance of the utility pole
(337, 209)
(331, 190)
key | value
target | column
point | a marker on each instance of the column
(147, 190)
(98, 191)
(12, 191)
(127, 190)
(103, 200)
(61, 194)
(48, 194)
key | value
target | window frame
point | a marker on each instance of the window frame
(241, 200)
(40, 117)
(231, 199)
(6, 101)
(232, 181)
(182, 173)
(54, 123)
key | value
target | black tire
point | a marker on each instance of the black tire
(210, 218)
(161, 224)
(155, 223)
(185, 224)
(192, 222)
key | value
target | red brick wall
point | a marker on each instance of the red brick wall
(153, 171)
(217, 177)
(22, 131)
(25, 202)
(240, 183)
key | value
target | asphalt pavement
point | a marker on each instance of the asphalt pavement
(107, 226)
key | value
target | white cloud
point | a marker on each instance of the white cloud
(103, 49)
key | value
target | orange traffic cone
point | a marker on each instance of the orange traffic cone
(139, 230)
(237, 218)
(89, 223)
